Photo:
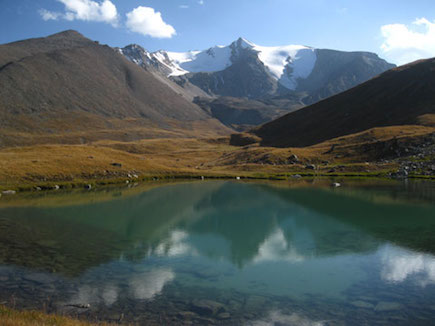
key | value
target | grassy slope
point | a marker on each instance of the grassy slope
(400, 96)
(9, 317)
(79, 164)
(68, 89)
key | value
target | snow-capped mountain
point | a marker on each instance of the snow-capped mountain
(244, 69)
(286, 64)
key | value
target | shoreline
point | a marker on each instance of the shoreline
(101, 183)
(18, 317)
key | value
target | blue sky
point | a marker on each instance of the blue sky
(398, 30)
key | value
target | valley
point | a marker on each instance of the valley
(69, 124)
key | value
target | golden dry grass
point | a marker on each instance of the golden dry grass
(187, 157)
(9, 317)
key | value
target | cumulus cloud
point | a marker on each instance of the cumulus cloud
(148, 284)
(49, 15)
(86, 10)
(399, 265)
(146, 21)
(406, 43)
(276, 248)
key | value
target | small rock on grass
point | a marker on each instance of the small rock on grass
(9, 192)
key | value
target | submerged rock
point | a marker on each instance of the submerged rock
(362, 304)
(388, 306)
(224, 315)
(207, 307)
(38, 278)
(186, 315)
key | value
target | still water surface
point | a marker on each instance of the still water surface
(226, 253)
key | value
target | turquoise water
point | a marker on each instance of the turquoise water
(226, 253)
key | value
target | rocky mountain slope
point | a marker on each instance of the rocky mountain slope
(401, 96)
(67, 88)
(244, 69)
(242, 114)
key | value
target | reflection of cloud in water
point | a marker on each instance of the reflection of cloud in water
(175, 245)
(110, 294)
(277, 318)
(399, 264)
(148, 284)
(276, 248)
(107, 294)
(142, 286)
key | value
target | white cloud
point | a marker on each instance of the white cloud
(403, 44)
(146, 21)
(49, 15)
(201, 2)
(399, 265)
(86, 10)
(184, 6)
(277, 317)
(176, 245)
(148, 284)
(276, 248)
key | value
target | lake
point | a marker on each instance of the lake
(225, 252)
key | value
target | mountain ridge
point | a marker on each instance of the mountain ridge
(282, 68)
(66, 84)
(400, 96)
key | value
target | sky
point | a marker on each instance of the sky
(399, 31)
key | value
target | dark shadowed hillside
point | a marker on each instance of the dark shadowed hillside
(242, 113)
(401, 96)
(71, 86)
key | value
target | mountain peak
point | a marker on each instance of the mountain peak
(70, 33)
(244, 43)
(134, 46)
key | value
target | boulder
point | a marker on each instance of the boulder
(207, 307)
(9, 192)
(293, 158)
(362, 304)
(387, 306)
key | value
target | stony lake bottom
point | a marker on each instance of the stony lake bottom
(225, 253)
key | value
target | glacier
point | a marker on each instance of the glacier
(286, 64)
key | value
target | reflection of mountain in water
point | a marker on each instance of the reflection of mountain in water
(405, 224)
(240, 223)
